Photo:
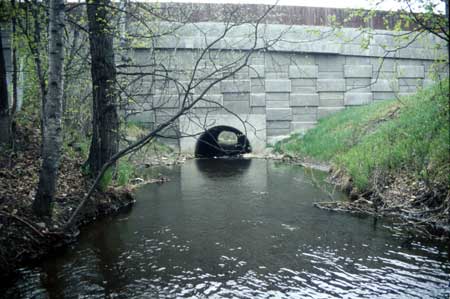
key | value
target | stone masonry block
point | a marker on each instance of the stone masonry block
(303, 71)
(331, 75)
(237, 96)
(276, 75)
(285, 124)
(303, 89)
(208, 110)
(238, 107)
(353, 82)
(303, 85)
(214, 89)
(210, 100)
(354, 98)
(330, 63)
(257, 58)
(331, 84)
(304, 99)
(277, 96)
(277, 104)
(257, 85)
(278, 114)
(235, 86)
(355, 60)
(303, 82)
(166, 101)
(241, 74)
(258, 110)
(358, 84)
(304, 113)
(358, 71)
(382, 75)
(384, 85)
(256, 71)
(258, 99)
(331, 99)
(383, 95)
(278, 85)
(276, 61)
(410, 71)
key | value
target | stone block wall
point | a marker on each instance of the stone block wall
(294, 96)
(295, 85)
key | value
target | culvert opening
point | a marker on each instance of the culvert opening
(222, 141)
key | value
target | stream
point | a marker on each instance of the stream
(236, 228)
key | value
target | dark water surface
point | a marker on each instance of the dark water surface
(238, 229)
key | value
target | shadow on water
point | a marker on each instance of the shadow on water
(226, 167)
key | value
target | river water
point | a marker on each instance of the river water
(239, 229)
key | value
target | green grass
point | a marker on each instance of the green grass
(124, 171)
(411, 134)
(106, 179)
(135, 131)
(118, 175)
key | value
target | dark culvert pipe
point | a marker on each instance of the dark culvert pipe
(221, 141)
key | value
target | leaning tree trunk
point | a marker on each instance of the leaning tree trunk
(4, 104)
(105, 121)
(52, 137)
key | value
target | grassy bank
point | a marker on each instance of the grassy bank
(410, 134)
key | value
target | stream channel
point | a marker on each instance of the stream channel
(235, 228)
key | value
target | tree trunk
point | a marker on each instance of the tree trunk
(14, 60)
(4, 103)
(14, 108)
(52, 137)
(105, 121)
(447, 16)
(35, 47)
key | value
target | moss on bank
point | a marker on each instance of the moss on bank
(409, 134)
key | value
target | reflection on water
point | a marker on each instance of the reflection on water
(238, 229)
(222, 167)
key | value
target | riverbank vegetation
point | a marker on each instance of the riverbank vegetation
(25, 236)
(392, 157)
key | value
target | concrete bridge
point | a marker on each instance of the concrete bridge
(307, 73)
(299, 70)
